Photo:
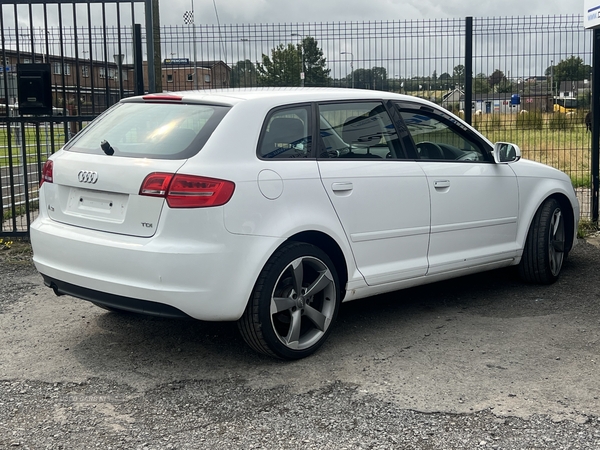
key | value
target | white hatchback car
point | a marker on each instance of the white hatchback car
(271, 207)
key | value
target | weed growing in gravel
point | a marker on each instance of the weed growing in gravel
(5, 245)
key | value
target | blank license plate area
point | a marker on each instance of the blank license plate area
(97, 204)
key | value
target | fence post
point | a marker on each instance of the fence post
(138, 59)
(469, 70)
(595, 123)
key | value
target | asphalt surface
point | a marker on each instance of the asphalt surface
(483, 361)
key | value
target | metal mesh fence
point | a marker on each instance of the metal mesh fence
(525, 80)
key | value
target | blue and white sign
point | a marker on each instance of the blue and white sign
(591, 13)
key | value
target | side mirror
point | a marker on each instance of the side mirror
(505, 152)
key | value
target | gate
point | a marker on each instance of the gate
(90, 53)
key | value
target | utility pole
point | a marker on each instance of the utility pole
(156, 50)
(153, 46)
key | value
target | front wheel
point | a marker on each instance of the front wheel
(294, 303)
(544, 250)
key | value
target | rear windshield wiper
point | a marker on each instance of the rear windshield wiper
(107, 148)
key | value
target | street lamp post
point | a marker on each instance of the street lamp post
(119, 61)
(552, 82)
(302, 58)
(351, 65)
(244, 40)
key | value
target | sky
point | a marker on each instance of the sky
(287, 11)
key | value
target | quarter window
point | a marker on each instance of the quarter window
(287, 134)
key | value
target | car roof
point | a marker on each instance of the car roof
(280, 95)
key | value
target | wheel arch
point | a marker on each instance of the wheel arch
(530, 205)
(567, 210)
(329, 246)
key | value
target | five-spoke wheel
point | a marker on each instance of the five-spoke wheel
(293, 304)
(544, 250)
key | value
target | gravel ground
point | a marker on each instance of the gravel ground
(75, 377)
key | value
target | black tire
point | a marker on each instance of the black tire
(277, 321)
(544, 251)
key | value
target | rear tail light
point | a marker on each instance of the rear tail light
(47, 172)
(187, 191)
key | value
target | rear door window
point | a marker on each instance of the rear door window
(351, 130)
(151, 130)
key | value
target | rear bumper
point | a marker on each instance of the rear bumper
(113, 301)
(204, 274)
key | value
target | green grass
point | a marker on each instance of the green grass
(586, 227)
(561, 142)
(20, 210)
(31, 143)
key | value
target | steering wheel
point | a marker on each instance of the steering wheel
(429, 150)
(469, 156)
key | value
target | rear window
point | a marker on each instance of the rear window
(151, 130)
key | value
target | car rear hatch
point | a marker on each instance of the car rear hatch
(105, 178)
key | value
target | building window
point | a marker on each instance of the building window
(85, 71)
(26, 61)
(112, 73)
(207, 78)
(59, 69)
(101, 72)
(190, 77)
(124, 75)
(169, 78)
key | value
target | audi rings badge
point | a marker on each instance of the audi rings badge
(87, 176)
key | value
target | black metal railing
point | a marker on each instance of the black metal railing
(521, 79)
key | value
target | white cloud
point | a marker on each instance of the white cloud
(285, 11)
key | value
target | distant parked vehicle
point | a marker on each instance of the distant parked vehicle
(565, 105)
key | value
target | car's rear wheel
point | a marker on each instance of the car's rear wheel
(294, 303)
(544, 251)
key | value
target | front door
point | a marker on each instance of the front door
(474, 202)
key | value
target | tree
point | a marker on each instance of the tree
(379, 78)
(374, 78)
(362, 78)
(282, 69)
(496, 78)
(286, 64)
(481, 84)
(570, 69)
(458, 75)
(244, 74)
(316, 73)
(444, 80)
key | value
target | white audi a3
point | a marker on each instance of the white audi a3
(270, 207)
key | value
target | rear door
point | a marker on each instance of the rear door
(381, 198)
(97, 177)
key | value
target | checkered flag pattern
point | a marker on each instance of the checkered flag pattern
(188, 17)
